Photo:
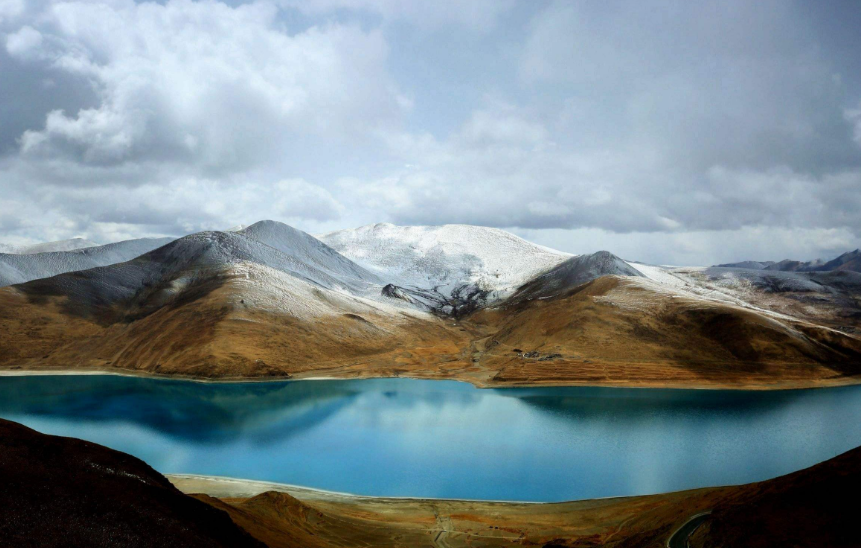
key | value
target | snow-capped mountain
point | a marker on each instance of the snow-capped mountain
(454, 301)
(445, 266)
(574, 272)
(308, 250)
(23, 267)
(170, 272)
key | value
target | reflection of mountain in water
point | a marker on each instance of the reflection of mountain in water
(636, 405)
(201, 412)
(218, 412)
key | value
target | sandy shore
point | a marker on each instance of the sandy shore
(671, 385)
(224, 487)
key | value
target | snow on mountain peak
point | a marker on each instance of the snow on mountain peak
(445, 257)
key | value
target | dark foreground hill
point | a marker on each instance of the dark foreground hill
(63, 492)
(66, 492)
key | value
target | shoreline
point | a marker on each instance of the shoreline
(229, 487)
(834, 382)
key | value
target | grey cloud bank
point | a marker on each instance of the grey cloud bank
(666, 131)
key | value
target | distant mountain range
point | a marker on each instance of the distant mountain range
(847, 261)
(456, 301)
(50, 259)
(61, 245)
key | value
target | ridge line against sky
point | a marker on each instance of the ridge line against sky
(666, 132)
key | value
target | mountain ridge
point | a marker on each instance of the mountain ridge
(470, 303)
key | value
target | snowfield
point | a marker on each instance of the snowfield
(445, 257)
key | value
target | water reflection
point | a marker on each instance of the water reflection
(405, 437)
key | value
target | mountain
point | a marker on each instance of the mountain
(61, 245)
(847, 261)
(451, 269)
(787, 265)
(19, 268)
(220, 304)
(60, 492)
(445, 257)
(470, 303)
(752, 265)
(573, 272)
(307, 249)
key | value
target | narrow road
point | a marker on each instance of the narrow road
(679, 539)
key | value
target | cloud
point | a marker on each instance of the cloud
(478, 15)
(654, 122)
(202, 83)
(9, 9)
(686, 119)
(23, 42)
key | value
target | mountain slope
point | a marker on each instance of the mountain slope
(807, 509)
(60, 492)
(60, 245)
(573, 272)
(217, 304)
(307, 249)
(269, 300)
(18, 268)
(847, 261)
(634, 331)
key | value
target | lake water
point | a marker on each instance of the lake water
(402, 437)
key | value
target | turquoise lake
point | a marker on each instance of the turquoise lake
(403, 437)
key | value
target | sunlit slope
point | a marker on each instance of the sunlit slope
(272, 301)
(215, 305)
(630, 330)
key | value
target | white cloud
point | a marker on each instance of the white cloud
(24, 43)
(9, 9)
(479, 15)
(629, 124)
(203, 83)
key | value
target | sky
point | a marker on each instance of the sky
(666, 132)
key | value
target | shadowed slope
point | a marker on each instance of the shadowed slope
(807, 509)
(65, 492)
(20, 268)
